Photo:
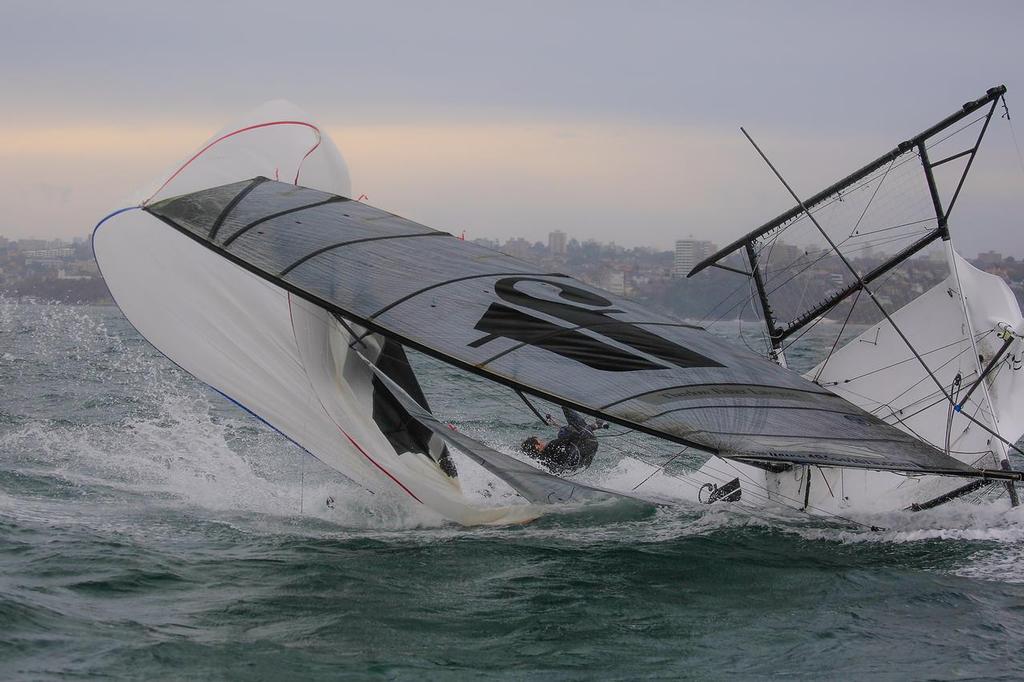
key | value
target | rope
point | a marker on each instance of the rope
(878, 177)
(871, 294)
(755, 489)
(1013, 134)
(872, 199)
(949, 414)
(900, 362)
(835, 344)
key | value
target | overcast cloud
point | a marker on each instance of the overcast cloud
(617, 121)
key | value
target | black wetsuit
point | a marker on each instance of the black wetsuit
(573, 449)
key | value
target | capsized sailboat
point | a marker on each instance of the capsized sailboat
(252, 269)
(289, 362)
(943, 366)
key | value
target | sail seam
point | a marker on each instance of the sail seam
(325, 249)
(564, 330)
(425, 289)
(824, 394)
(256, 182)
(749, 407)
(272, 216)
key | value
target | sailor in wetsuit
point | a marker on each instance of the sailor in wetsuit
(573, 449)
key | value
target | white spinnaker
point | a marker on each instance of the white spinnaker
(283, 360)
(877, 371)
(992, 306)
(277, 140)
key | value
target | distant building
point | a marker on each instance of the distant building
(557, 243)
(32, 244)
(488, 243)
(783, 255)
(689, 252)
(615, 282)
(50, 253)
(990, 258)
(518, 247)
(47, 259)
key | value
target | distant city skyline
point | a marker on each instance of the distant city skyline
(42, 269)
(603, 120)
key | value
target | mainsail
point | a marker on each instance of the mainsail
(544, 333)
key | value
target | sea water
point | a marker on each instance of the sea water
(151, 530)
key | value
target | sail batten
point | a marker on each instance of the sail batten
(437, 285)
(548, 334)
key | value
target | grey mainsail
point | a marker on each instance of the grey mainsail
(544, 333)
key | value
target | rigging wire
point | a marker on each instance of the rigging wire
(949, 413)
(835, 344)
(917, 383)
(881, 308)
(839, 197)
(759, 491)
(910, 155)
(1013, 134)
(660, 468)
(732, 293)
(872, 199)
(878, 178)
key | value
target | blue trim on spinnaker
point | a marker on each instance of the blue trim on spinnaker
(92, 240)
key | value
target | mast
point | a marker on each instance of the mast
(942, 216)
(1000, 449)
(774, 333)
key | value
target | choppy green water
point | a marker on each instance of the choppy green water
(148, 529)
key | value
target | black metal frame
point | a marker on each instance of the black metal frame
(991, 97)
(778, 334)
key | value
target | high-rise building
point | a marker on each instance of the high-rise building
(557, 243)
(689, 252)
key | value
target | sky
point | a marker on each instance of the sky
(617, 121)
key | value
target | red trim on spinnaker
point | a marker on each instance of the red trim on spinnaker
(358, 447)
(236, 132)
(372, 460)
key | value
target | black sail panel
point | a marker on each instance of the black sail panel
(403, 431)
(532, 483)
(545, 333)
